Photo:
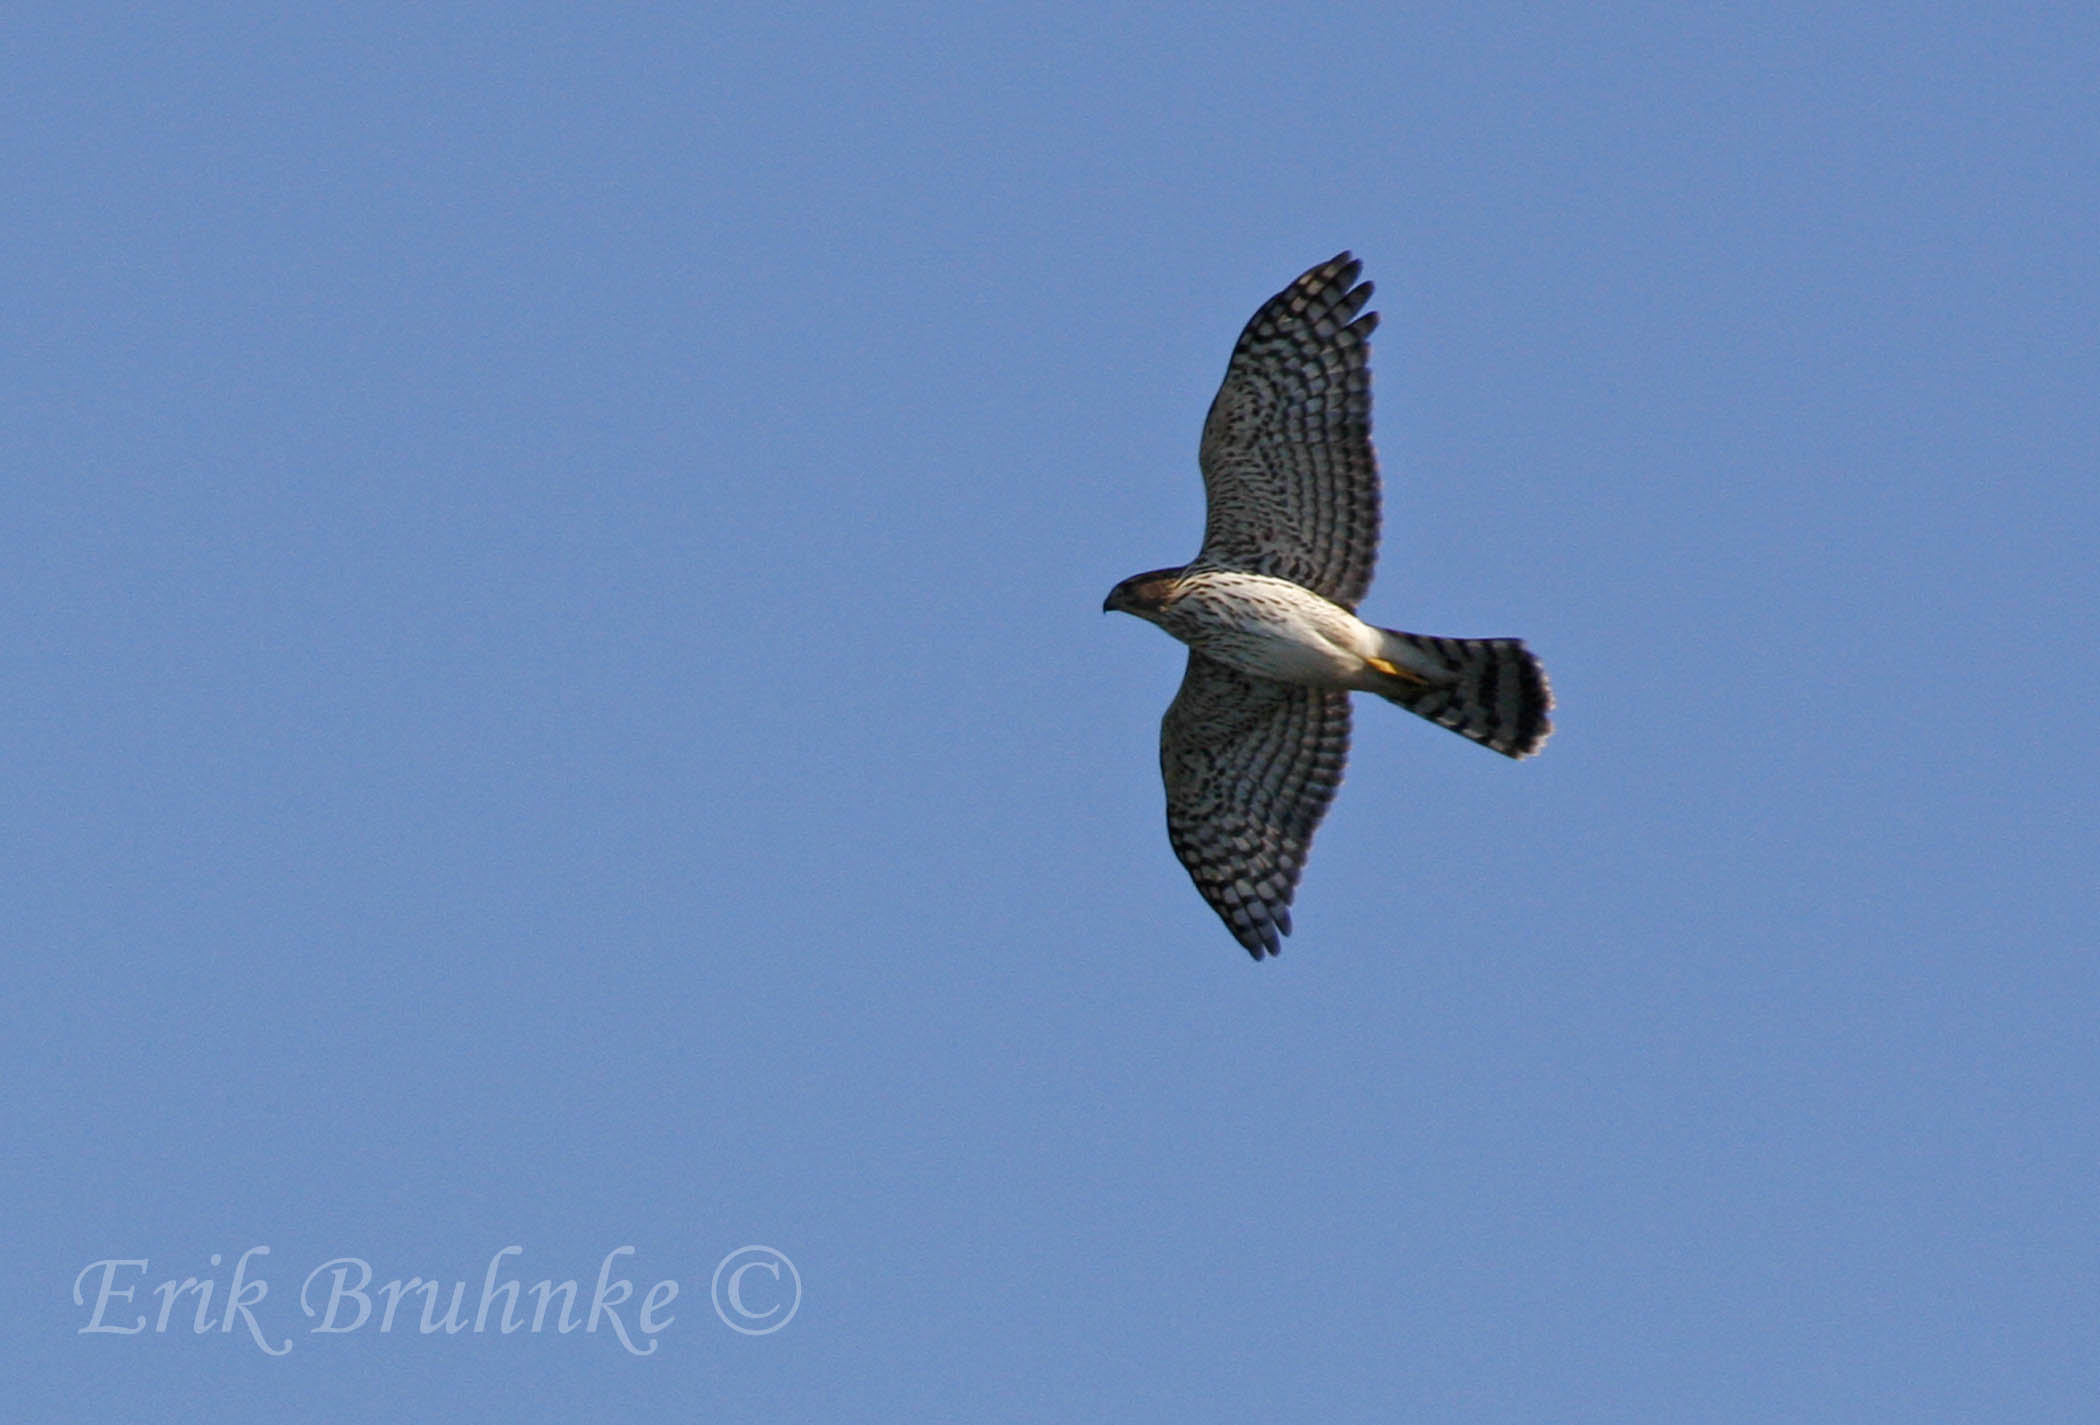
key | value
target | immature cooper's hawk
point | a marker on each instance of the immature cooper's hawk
(1253, 745)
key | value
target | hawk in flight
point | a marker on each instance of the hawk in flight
(1254, 743)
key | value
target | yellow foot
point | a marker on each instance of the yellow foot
(1394, 670)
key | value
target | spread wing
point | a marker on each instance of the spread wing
(1250, 767)
(1287, 461)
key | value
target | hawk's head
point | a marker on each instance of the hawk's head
(1145, 595)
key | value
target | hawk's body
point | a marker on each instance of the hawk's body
(1254, 744)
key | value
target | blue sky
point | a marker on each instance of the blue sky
(556, 699)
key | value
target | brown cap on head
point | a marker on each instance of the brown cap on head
(1142, 594)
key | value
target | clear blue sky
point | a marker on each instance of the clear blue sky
(555, 697)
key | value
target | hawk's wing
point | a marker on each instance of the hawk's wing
(1250, 767)
(1287, 461)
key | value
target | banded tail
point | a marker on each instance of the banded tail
(1489, 689)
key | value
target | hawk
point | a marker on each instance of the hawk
(1253, 745)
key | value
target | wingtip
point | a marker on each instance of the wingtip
(1342, 267)
(1340, 272)
(1265, 947)
(1264, 938)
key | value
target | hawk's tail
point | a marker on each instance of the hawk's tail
(1489, 689)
